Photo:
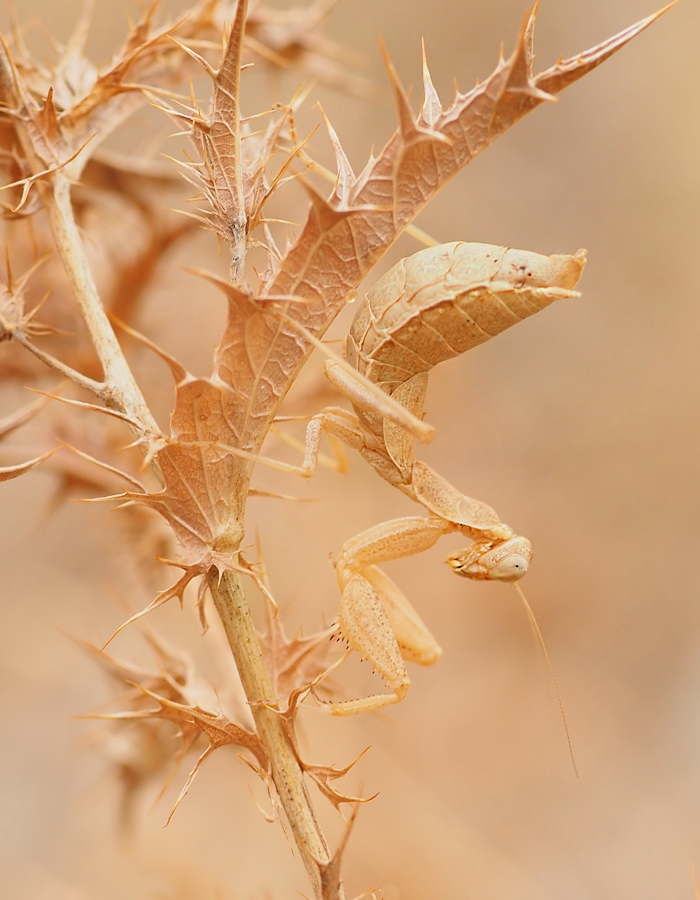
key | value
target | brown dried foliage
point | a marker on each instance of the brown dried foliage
(54, 121)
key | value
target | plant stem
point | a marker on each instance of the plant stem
(121, 390)
(287, 774)
(88, 384)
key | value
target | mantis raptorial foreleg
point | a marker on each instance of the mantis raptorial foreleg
(375, 617)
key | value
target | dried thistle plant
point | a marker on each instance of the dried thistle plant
(197, 476)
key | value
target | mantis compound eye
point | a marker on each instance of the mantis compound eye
(506, 561)
(510, 568)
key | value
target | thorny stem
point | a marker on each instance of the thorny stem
(287, 775)
(121, 389)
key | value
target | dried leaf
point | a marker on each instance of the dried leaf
(217, 728)
(218, 139)
(323, 776)
(290, 38)
(296, 663)
(179, 695)
(13, 317)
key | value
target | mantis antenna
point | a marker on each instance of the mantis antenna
(536, 627)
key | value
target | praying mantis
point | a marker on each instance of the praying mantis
(428, 308)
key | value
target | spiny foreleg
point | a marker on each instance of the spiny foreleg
(376, 618)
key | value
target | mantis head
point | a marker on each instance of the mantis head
(505, 561)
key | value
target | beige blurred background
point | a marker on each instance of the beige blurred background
(581, 427)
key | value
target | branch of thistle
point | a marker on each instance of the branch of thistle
(120, 391)
(96, 387)
(39, 126)
(288, 778)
